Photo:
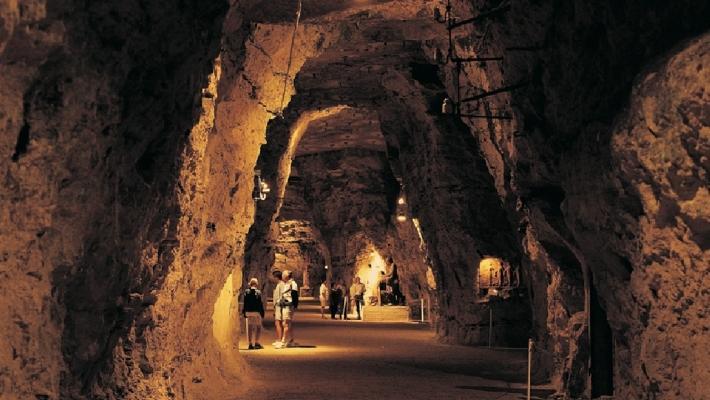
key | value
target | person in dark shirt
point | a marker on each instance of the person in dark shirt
(253, 311)
(336, 297)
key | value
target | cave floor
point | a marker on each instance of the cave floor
(354, 359)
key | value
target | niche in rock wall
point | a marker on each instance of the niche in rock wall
(369, 266)
(496, 278)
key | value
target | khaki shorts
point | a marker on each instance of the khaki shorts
(283, 313)
(254, 319)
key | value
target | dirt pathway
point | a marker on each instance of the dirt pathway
(356, 360)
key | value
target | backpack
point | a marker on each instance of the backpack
(294, 298)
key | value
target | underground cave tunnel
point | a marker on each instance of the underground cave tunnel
(519, 185)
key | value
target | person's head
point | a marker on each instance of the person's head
(357, 279)
(276, 274)
(253, 282)
(286, 275)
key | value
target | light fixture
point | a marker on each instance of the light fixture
(447, 106)
(261, 188)
(401, 210)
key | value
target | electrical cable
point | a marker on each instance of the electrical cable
(290, 58)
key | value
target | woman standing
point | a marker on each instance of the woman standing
(253, 311)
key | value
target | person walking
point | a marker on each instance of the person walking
(253, 311)
(381, 288)
(286, 306)
(357, 293)
(323, 297)
(335, 298)
(345, 302)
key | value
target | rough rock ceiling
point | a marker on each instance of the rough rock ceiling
(319, 10)
(352, 72)
(351, 128)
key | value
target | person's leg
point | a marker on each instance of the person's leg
(277, 324)
(248, 331)
(292, 325)
(257, 338)
(357, 306)
(287, 331)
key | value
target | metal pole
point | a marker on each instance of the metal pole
(476, 59)
(422, 304)
(530, 349)
(494, 92)
(480, 17)
(490, 326)
(428, 310)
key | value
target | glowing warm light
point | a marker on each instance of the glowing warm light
(369, 268)
(401, 218)
(401, 200)
(326, 267)
(489, 273)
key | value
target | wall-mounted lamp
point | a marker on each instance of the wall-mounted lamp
(261, 188)
(447, 106)
(326, 267)
(401, 206)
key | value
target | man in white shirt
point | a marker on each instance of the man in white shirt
(323, 297)
(277, 311)
(285, 309)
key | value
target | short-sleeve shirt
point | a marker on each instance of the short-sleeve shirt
(284, 289)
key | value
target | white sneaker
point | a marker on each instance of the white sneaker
(277, 343)
(280, 345)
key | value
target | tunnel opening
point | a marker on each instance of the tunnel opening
(601, 349)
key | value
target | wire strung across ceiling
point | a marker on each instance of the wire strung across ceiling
(290, 57)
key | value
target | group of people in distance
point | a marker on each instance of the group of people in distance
(340, 299)
(285, 300)
(337, 299)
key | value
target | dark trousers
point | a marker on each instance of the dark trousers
(344, 310)
(358, 304)
(333, 309)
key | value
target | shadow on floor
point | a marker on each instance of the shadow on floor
(537, 393)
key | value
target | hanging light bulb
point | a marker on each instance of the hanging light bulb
(261, 188)
(447, 106)
(401, 217)
(400, 200)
